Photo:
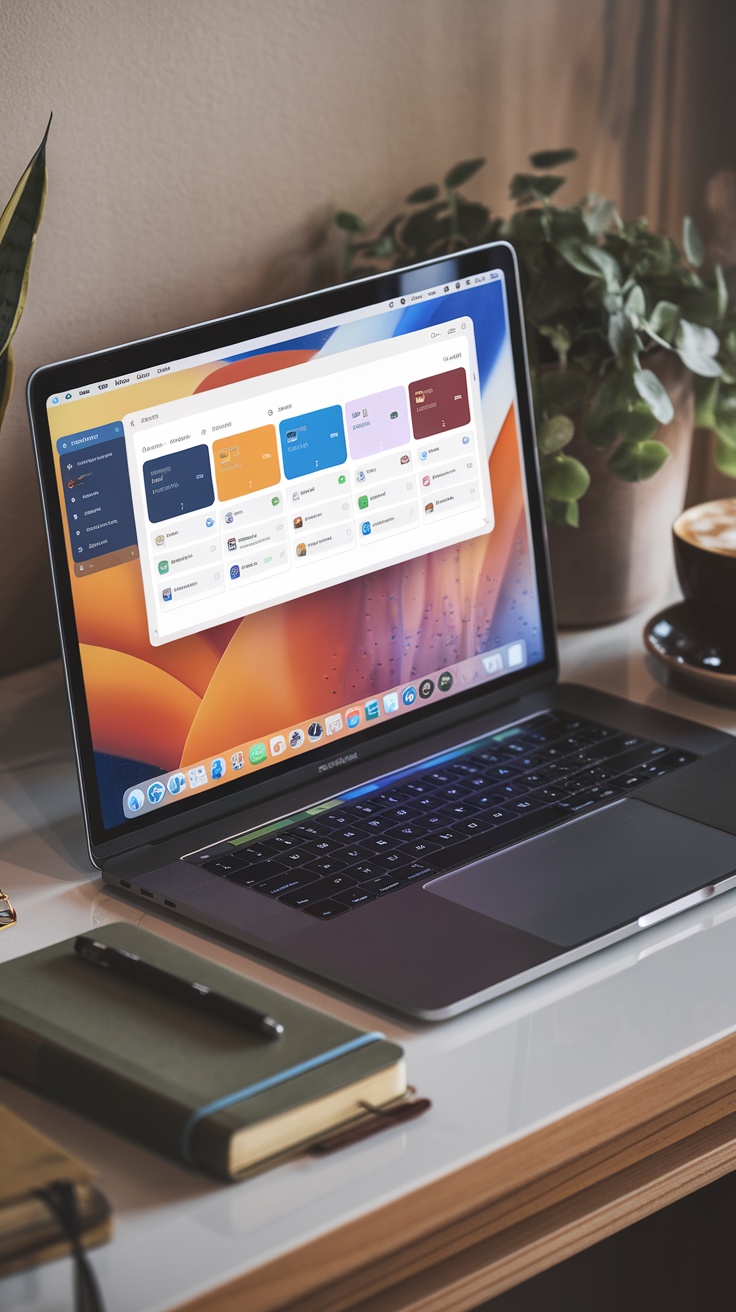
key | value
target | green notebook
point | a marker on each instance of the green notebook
(194, 1087)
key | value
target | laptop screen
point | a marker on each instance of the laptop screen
(284, 541)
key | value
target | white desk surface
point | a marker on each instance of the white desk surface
(493, 1075)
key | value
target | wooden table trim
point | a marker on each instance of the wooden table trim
(518, 1210)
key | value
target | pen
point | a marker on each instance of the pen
(128, 965)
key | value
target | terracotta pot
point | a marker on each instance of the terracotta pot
(620, 558)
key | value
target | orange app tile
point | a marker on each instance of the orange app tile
(246, 462)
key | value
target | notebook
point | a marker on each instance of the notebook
(196, 1087)
(299, 559)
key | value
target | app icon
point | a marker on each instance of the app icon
(160, 539)
(372, 711)
(232, 544)
(218, 767)
(466, 440)
(409, 696)
(360, 476)
(342, 479)
(333, 723)
(156, 792)
(234, 571)
(163, 567)
(426, 481)
(315, 731)
(166, 594)
(229, 517)
(278, 745)
(237, 760)
(275, 501)
(135, 799)
(444, 683)
(301, 548)
(298, 521)
(405, 459)
(197, 776)
(515, 654)
(362, 503)
(176, 783)
(352, 717)
(365, 528)
(394, 414)
(426, 688)
(429, 508)
(424, 455)
(390, 702)
(493, 662)
(209, 522)
(296, 738)
(257, 753)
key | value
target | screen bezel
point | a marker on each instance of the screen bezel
(224, 334)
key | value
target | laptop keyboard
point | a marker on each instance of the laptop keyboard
(448, 811)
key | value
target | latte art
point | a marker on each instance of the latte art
(711, 526)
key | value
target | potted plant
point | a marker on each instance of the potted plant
(630, 347)
(18, 226)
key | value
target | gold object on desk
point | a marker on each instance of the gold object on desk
(7, 911)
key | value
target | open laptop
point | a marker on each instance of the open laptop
(308, 634)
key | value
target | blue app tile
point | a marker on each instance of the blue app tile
(312, 442)
(178, 483)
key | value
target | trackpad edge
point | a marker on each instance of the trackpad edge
(593, 874)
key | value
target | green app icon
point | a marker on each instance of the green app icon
(362, 503)
(342, 479)
(257, 753)
(275, 501)
(163, 567)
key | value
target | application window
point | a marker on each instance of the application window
(276, 487)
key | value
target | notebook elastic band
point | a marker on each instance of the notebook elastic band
(272, 1082)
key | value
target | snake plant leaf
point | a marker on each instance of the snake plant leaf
(6, 380)
(636, 461)
(18, 226)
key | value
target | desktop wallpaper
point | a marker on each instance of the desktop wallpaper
(156, 709)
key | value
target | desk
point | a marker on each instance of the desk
(561, 1113)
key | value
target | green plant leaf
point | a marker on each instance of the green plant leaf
(348, 222)
(425, 228)
(461, 172)
(384, 247)
(555, 433)
(721, 292)
(565, 513)
(559, 339)
(552, 159)
(610, 401)
(651, 390)
(725, 458)
(606, 264)
(622, 337)
(525, 188)
(564, 478)
(664, 322)
(704, 365)
(474, 221)
(18, 226)
(566, 223)
(695, 339)
(692, 243)
(636, 461)
(635, 302)
(706, 396)
(423, 195)
(600, 215)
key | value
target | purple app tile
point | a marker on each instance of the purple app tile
(377, 423)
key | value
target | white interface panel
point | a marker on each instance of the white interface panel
(267, 489)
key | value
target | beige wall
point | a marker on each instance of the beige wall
(198, 149)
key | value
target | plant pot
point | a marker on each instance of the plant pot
(619, 560)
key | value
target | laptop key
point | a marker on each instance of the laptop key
(383, 884)
(355, 897)
(323, 910)
(285, 882)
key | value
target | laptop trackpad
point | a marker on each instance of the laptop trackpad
(600, 871)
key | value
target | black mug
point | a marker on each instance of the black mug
(704, 540)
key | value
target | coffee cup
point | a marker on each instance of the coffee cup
(704, 539)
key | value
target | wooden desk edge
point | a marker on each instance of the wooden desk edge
(518, 1210)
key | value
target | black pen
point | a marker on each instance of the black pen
(128, 965)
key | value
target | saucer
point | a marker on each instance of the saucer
(697, 648)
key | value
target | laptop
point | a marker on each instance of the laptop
(309, 643)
